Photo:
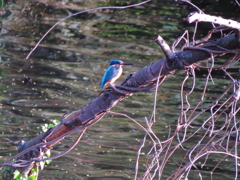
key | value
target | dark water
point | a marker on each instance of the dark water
(66, 70)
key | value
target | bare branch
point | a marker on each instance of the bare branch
(199, 17)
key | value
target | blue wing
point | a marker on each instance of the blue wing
(110, 73)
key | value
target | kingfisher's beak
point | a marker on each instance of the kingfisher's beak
(126, 64)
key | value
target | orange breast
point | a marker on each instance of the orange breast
(116, 77)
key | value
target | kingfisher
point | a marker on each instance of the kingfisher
(113, 72)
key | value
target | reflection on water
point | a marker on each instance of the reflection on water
(66, 70)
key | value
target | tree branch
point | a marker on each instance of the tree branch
(109, 97)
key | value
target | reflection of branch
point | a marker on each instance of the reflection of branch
(75, 14)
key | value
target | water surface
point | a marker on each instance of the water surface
(66, 70)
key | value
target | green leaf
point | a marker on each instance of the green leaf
(1, 3)
(48, 153)
(32, 178)
(51, 125)
(34, 170)
(41, 164)
(5, 168)
(56, 122)
(17, 175)
(48, 161)
(44, 127)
